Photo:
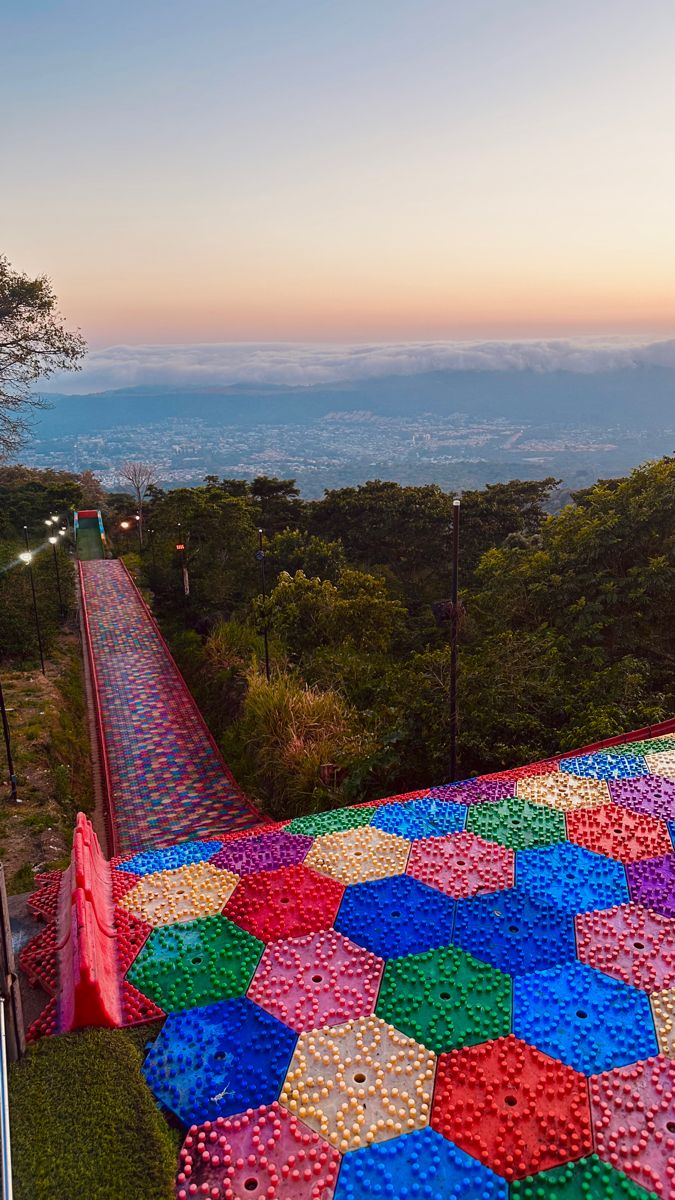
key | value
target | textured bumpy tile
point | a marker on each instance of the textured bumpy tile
(663, 1012)
(631, 943)
(181, 895)
(564, 792)
(285, 903)
(417, 1166)
(462, 865)
(356, 855)
(512, 1107)
(396, 916)
(359, 1083)
(619, 833)
(264, 1152)
(634, 1122)
(316, 980)
(168, 781)
(516, 823)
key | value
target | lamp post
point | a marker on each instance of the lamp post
(137, 519)
(454, 623)
(260, 555)
(8, 746)
(52, 541)
(27, 557)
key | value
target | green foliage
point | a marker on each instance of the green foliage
(34, 343)
(292, 550)
(312, 613)
(84, 1122)
(18, 637)
(301, 744)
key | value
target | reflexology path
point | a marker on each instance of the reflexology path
(165, 778)
(466, 993)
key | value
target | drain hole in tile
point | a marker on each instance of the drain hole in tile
(359, 1077)
(251, 1185)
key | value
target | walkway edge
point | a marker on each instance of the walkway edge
(104, 772)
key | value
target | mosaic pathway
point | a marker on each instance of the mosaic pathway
(168, 781)
(468, 993)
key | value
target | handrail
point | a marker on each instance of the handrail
(637, 735)
(188, 695)
(109, 800)
(5, 1142)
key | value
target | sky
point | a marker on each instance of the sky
(342, 171)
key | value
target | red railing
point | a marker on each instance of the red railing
(105, 777)
(89, 979)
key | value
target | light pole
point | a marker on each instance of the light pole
(454, 623)
(52, 541)
(137, 518)
(8, 746)
(27, 557)
(260, 555)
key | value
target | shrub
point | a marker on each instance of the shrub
(84, 1123)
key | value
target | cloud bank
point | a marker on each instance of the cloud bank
(220, 363)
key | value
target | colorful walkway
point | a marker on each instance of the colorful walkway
(167, 780)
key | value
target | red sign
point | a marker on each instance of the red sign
(180, 546)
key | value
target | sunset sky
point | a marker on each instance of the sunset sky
(209, 170)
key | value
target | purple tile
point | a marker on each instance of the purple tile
(475, 791)
(263, 853)
(646, 794)
(652, 883)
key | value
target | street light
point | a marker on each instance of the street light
(27, 558)
(454, 625)
(7, 745)
(52, 541)
(260, 555)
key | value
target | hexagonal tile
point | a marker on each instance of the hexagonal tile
(317, 824)
(417, 1166)
(355, 855)
(662, 763)
(445, 998)
(262, 1152)
(475, 791)
(513, 932)
(512, 1107)
(631, 943)
(284, 903)
(562, 791)
(462, 864)
(605, 764)
(619, 833)
(359, 1083)
(219, 1060)
(652, 883)
(266, 852)
(149, 862)
(583, 1018)
(195, 963)
(396, 916)
(196, 890)
(634, 1122)
(649, 794)
(663, 1012)
(589, 1178)
(317, 980)
(429, 817)
(516, 823)
(571, 878)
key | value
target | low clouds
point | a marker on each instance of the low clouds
(213, 364)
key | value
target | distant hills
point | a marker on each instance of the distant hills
(637, 398)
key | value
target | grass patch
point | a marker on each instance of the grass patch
(21, 881)
(84, 1123)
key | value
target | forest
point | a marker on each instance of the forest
(566, 630)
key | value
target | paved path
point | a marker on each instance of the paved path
(168, 781)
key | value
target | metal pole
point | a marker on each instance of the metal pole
(7, 1191)
(8, 744)
(454, 622)
(35, 607)
(261, 559)
(62, 607)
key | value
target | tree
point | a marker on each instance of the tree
(140, 475)
(278, 502)
(34, 343)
